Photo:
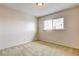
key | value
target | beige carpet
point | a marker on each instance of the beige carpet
(39, 48)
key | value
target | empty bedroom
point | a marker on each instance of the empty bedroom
(39, 29)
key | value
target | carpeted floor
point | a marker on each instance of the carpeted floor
(39, 48)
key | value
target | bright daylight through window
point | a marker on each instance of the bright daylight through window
(54, 24)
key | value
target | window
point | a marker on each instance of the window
(48, 24)
(54, 24)
(58, 23)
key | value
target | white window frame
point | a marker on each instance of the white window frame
(58, 24)
(48, 24)
(54, 24)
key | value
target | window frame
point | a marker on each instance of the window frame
(62, 28)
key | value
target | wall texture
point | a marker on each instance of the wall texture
(15, 27)
(69, 36)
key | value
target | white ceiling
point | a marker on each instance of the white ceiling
(32, 9)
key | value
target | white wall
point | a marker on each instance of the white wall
(67, 37)
(15, 27)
